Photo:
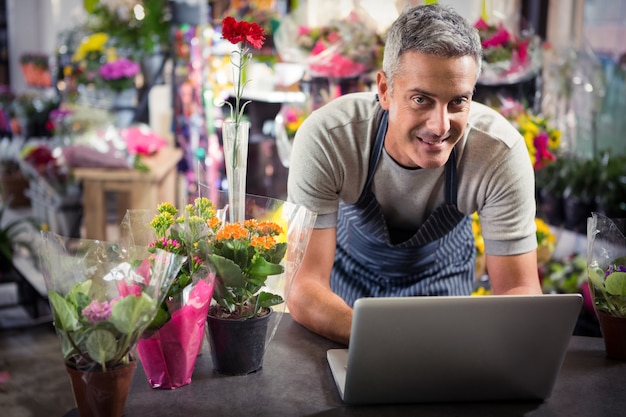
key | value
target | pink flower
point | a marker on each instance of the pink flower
(500, 38)
(121, 68)
(125, 290)
(97, 311)
(481, 24)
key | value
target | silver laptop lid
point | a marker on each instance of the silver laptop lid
(441, 349)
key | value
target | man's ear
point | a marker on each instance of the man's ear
(383, 90)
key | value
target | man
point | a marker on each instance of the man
(394, 177)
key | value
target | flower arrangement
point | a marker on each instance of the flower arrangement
(182, 235)
(169, 347)
(342, 49)
(103, 297)
(88, 58)
(504, 54)
(542, 140)
(244, 255)
(243, 34)
(610, 287)
(119, 74)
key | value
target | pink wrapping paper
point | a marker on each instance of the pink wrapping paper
(169, 355)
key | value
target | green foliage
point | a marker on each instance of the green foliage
(106, 341)
(609, 287)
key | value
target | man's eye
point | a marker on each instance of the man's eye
(419, 100)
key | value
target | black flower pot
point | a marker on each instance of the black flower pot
(237, 346)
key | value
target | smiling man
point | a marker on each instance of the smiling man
(393, 178)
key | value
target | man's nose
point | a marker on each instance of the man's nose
(438, 121)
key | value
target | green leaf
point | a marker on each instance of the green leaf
(596, 276)
(616, 283)
(101, 345)
(266, 299)
(262, 268)
(65, 315)
(129, 313)
(161, 317)
(228, 271)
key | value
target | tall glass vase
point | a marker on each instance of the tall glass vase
(235, 138)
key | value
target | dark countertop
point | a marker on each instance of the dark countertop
(296, 381)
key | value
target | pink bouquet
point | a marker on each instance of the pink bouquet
(169, 347)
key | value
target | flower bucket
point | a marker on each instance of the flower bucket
(101, 394)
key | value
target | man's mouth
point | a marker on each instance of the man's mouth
(432, 142)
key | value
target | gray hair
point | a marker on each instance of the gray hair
(430, 29)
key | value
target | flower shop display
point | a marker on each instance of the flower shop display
(36, 70)
(541, 137)
(103, 296)
(170, 345)
(335, 47)
(545, 243)
(286, 124)
(55, 194)
(507, 57)
(235, 131)
(606, 269)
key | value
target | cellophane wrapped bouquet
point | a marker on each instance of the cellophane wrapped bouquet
(169, 347)
(103, 296)
(335, 47)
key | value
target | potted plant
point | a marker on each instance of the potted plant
(103, 296)
(606, 270)
(169, 347)
(244, 255)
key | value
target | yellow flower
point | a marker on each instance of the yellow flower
(93, 43)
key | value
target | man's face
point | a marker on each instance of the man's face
(428, 108)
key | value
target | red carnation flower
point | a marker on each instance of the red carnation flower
(242, 31)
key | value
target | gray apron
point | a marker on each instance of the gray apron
(439, 259)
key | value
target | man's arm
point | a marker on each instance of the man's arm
(311, 301)
(514, 274)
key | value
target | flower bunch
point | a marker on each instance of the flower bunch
(186, 235)
(504, 53)
(103, 297)
(343, 48)
(88, 57)
(542, 140)
(244, 255)
(119, 74)
(292, 118)
(243, 34)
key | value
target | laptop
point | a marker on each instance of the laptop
(455, 348)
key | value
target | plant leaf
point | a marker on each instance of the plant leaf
(65, 315)
(129, 313)
(229, 272)
(266, 299)
(616, 283)
(101, 345)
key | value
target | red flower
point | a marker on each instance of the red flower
(246, 32)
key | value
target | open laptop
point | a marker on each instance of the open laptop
(451, 349)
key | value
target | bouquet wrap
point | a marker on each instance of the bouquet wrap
(168, 350)
(169, 355)
(606, 263)
(297, 224)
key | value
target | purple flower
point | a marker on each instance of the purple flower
(97, 311)
(614, 268)
(121, 68)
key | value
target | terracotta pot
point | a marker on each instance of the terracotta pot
(614, 333)
(101, 394)
(237, 346)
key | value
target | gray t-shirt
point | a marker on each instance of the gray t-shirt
(330, 159)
